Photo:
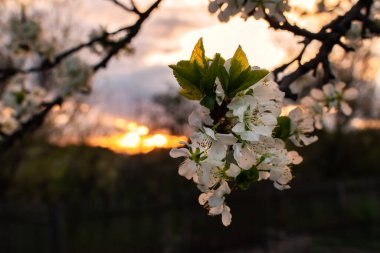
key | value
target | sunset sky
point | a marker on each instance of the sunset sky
(167, 37)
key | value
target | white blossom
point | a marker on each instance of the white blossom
(244, 156)
(189, 166)
(8, 122)
(233, 170)
(257, 8)
(330, 99)
(257, 113)
(215, 201)
(302, 125)
(254, 119)
(25, 33)
(244, 140)
(24, 101)
(73, 75)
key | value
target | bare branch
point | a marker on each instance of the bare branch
(126, 8)
(38, 118)
(128, 38)
(330, 35)
(30, 125)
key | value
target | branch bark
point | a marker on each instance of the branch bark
(329, 36)
(38, 119)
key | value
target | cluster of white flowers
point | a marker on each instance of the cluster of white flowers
(24, 101)
(248, 152)
(247, 8)
(241, 138)
(8, 121)
(73, 75)
(330, 99)
(25, 46)
(18, 105)
(24, 33)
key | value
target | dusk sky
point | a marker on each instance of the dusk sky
(167, 37)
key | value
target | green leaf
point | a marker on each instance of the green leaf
(188, 77)
(248, 78)
(239, 73)
(191, 94)
(246, 177)
(223, 78)
(282, 130)
(207, 82)
(186, 74)
(235, 84)
(239, 63)
(198, 55)
(209, 102)
(19, 96)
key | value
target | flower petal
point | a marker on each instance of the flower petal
(328, 89)
(179, 152)
(346, 109)
(233, 171)
(187, 169)
(317, 94)
(340, 86)
(307, 140)
(195, 120)
(203, 198)
(226, 216)
(243, 156)
(226, 139)
(294, 157)
(350, 94)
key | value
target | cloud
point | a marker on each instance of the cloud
(121, 94)
(169, 36)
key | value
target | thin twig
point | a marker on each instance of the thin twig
(38, 119)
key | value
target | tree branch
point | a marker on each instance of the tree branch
(38, 119)
(126, 8)
(329, 36)
(30, 125)
(128, 38)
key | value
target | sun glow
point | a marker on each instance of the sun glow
(133, 138)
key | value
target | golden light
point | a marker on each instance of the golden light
(135, 139)
(142, 130)
(157, 140)
(130, 140)
(362, 124)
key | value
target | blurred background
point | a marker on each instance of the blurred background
(97, 177)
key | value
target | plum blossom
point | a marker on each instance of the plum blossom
(215, 201)
(256, 8)
(73, 75)
(24, 33)
(240, 139)
(244, 156)
(8, 122)
(254, 119)
(233, 170)
(330, 99)
(24, 101)
(278, 166)
(302, 125)
(191, 163)
(257, 112)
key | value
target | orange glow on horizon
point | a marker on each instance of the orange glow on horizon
(135, 139)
